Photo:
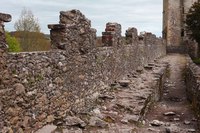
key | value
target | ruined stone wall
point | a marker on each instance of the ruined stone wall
(3, 47)
(4, 76)
(193, 85)
(46, 86)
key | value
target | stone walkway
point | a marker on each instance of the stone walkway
(124, 108)
(173, 114)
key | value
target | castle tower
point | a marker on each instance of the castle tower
(174, 15)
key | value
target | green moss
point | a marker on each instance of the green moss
(197, 61)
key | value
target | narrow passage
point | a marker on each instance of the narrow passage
(173, 114)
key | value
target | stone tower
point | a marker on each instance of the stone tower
(174, 14)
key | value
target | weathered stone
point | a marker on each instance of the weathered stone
(157, 123)
(1, 106)
(169, 113)
(176, 119)
(124, 83)
(56, 26)
(72, 131)
(153, 130)
(50, 118)
(187, 122)
(109, 119)
(13, 111)
(14, 120)
(97, 122)
(42, 117)
(5, 17)
(74, 121)
(19, 88)
(47, 129)
(26, 121)
(191, 130)
(130, 119)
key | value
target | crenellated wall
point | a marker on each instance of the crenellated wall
(44, 87)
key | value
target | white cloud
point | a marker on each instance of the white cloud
(142, 14)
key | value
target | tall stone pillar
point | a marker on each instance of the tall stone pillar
(73, 34)
(132, 36)
(112, 35)
(3, 45)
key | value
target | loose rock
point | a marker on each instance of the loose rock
(169, 113)
(97, 122)
(47, 129)
(74, 121)
(157, 123)
(19, 88)
(124, 83)
(187, 122)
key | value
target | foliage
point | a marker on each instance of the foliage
(193, 22)
(197, 61)
(14, 45)
(27, 22)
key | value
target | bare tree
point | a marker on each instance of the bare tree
(27, 22)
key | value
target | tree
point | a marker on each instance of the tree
(193, 22)
(27, 22)
(28, 33)
(13, 44)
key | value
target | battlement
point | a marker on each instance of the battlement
(38, 88)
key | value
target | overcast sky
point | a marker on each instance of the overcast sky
(145, 15)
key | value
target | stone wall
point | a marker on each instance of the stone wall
(3, 46)
(4, 76)
(193, 85)
(46, 86)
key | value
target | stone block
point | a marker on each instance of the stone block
(5, 17)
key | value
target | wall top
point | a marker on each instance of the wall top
(5, 17)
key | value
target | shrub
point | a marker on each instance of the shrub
(13, 44)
